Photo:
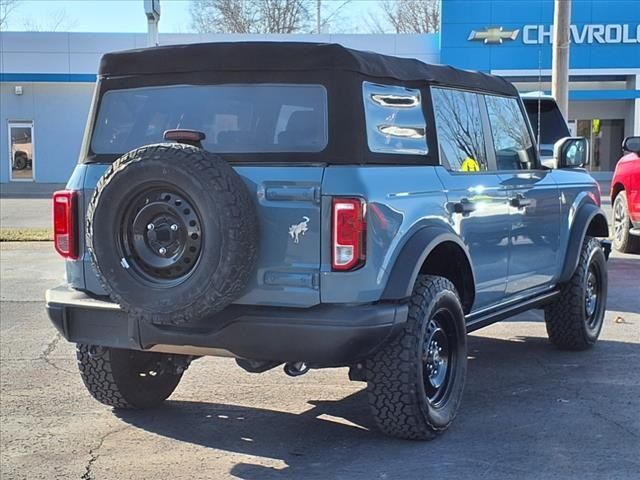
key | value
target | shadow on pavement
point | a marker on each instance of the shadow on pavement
(528, 409)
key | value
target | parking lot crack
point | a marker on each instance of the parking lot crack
(621, 426)
(94, 453)
(51, 346)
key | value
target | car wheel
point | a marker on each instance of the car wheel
(415, 382)
(574, 319)
(20, 161)
(129, 378)
(623, 241)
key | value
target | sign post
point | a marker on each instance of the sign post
(152, 11)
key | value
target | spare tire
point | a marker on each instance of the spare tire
(172, 233)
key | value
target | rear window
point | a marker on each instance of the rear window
(552, 124)
(256, 118)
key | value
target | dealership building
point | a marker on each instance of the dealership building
(47, 79)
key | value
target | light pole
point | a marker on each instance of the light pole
(560, 58)
(152, 11)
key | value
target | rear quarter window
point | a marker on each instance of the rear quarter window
(552, 125)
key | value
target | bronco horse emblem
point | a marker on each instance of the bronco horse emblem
(299, 229)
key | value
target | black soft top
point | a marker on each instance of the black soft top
(291, 56)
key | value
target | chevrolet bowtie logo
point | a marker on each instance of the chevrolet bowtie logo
(493, 35)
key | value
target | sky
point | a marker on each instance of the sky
(128, 15)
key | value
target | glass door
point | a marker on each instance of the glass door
(605, 138)
(21, 151)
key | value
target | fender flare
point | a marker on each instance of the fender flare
(587, 215)
(415, 251)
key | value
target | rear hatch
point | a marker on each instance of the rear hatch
(251, 126)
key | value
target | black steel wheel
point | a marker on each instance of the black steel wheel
(160, 235)
(173, 234)
(437, 357)
(415, 382)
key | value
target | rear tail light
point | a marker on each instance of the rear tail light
(65, 224)
(349, 233)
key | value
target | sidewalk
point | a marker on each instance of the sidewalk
(28, 189)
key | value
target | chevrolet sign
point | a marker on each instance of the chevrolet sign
(540, 34)
(493, 35)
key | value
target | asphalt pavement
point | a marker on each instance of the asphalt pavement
(529, 411)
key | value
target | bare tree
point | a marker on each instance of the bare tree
(6, 9)
(459, 123)
(406, 16)
(328, 16)
(58, 21)
(250, 16)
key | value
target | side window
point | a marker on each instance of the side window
(459, 129)
(511, 140)
(394, 118)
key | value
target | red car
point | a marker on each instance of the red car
(625, 198)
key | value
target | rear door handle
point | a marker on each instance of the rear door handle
(520, 202)
(464, 206)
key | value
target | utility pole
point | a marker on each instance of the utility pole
(560, 58)
(318, 16)
(152, 11)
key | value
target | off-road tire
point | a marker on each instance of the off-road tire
(395, 373)
(112, 377)
(568, 325)
(623, 241)
(229, 235)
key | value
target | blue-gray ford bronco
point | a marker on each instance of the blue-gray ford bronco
(315, 206)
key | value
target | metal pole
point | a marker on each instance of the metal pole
(560, 58)
(152, 33)
(318, 16)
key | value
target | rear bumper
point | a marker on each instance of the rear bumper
(324, 335)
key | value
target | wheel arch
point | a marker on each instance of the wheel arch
(591, 221)
(434, 251)
(615, 190)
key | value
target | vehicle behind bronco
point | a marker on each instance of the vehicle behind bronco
(316, 206)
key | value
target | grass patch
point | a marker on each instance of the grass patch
(25, 234)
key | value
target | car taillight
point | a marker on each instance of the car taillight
(349, 233)
(65, 234)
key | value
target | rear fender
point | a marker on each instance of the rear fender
(411, 260)
(589, 220)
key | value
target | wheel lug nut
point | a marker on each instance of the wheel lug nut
(174, 227)
(151, 226)
(162, 250)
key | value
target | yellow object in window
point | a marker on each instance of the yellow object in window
(470, 165)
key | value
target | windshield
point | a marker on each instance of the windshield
(552, 124)
(235, 118)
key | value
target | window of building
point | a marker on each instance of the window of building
(394, 118)
(511, 139)
(459, 128)
(21, 150)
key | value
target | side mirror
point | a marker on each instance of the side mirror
(571, 152)
(631, 144)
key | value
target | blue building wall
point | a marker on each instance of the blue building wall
(59, 113)
(590, 50)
